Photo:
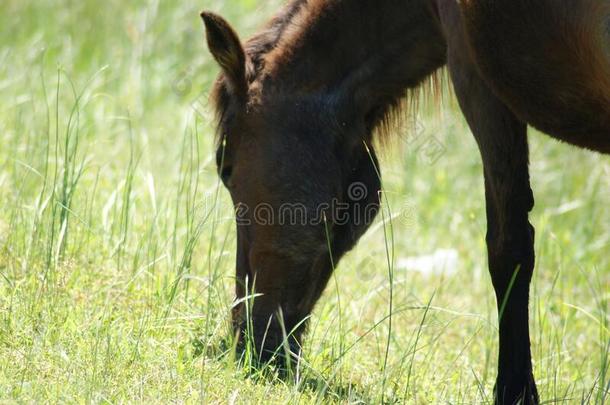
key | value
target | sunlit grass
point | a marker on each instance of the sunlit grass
(117, 241)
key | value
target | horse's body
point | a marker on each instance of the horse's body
(298, 103)
(549, 61)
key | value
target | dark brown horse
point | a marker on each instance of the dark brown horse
(299, 103)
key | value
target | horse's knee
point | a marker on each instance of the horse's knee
(509, 253)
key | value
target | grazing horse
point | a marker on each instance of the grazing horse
(298, 106)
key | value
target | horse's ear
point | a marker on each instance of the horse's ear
(225, 46)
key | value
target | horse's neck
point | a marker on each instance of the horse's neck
(378, 48)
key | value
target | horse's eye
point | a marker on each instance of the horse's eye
(225, 175)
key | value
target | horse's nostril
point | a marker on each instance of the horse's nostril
(268, 343)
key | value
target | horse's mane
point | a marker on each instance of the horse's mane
(272, 46)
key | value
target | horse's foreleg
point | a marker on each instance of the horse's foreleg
(510, 237)
(502, 141)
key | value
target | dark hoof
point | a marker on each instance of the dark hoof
(516, 390)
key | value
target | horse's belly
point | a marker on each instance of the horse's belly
(582, 122)
(549, 62)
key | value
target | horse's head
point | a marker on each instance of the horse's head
(304, 184)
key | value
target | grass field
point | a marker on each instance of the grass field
(117, 242)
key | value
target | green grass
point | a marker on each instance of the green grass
(117, 242)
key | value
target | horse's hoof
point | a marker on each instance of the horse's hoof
(516, 390)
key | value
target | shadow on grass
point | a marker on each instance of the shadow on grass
(304, 380)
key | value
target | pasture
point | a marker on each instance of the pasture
(117, 242)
